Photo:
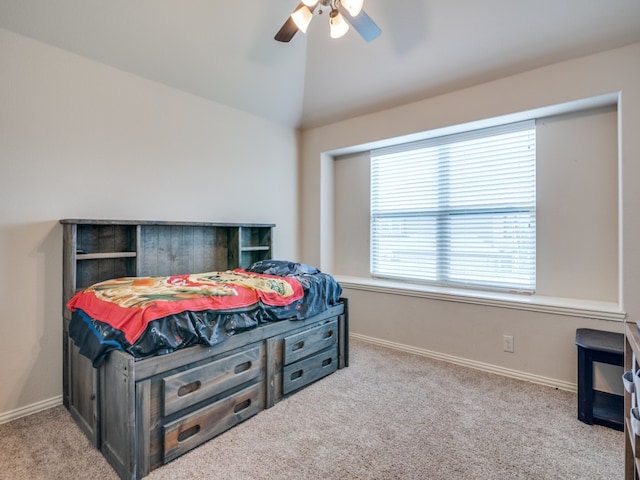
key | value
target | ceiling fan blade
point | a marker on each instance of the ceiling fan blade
(289, 29)
(363, 24)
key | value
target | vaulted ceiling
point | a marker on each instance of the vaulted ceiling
(224, 50)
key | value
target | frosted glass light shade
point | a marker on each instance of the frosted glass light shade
(353, 6)
(338, 24)
(310, 3)
(302, 18)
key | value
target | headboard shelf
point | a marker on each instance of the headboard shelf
(97, 221)
(96, 250)
(97, 256)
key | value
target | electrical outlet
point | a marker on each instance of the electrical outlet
(507, 341)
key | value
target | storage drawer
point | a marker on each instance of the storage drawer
(194, 385)
(306, 371)
(310, 341)
(203, 424)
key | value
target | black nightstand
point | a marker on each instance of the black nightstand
(597, 407)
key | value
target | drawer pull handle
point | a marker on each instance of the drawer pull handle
(242, 406)
(189, 388)
(297, 374)
(297, 346)
(243, 367)
(327, 362)
(188, 433)
(328, 334)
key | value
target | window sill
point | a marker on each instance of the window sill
(533, 303)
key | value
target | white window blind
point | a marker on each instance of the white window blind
(457, 210)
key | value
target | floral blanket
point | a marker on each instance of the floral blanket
(129, 304)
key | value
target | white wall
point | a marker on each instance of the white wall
(544, 341)
(577, 205)
(82, 140)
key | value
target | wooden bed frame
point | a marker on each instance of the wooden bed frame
(143, 413)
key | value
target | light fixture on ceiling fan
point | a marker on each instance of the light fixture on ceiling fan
(342, 13)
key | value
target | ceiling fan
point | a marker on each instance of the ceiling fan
(342, 13)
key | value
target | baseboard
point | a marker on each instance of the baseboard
(30, 409)
(486, 367)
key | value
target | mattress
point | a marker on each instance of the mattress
(147, 316)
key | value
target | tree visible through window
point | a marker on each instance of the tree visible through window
(457, 210)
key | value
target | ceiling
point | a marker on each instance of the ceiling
(225, 51)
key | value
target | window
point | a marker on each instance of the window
(457, 210)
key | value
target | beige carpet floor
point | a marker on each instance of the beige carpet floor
(390, 415)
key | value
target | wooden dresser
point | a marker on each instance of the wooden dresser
(631, 364)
